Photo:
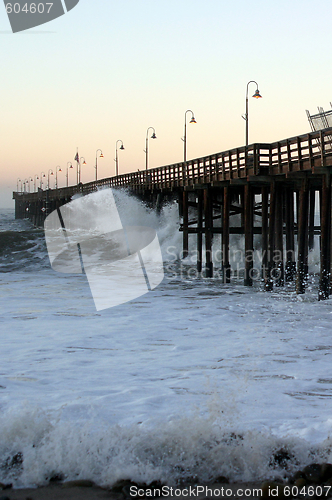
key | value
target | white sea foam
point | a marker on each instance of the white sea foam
(195, 378)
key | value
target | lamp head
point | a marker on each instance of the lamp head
(59, 170)
(101, 155)
(193, 120)
(257, 94)
(121, 147)
(71, 166)
(153, 136)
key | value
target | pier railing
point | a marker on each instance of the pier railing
(300, 153)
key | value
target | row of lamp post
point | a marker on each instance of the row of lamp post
(26, 183)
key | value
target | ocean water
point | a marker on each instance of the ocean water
(195, 379)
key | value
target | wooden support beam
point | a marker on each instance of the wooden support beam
(265, 228)
(271, 238)
(279, 237)
(199, 230)
(208, 233)
(312, 199)
(248, 234)
(226, 268)
(185, 250)
(325, 246)
(290, 269)
(302, 238)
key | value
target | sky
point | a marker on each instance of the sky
(110, 69)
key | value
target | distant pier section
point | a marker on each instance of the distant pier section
(273, 194)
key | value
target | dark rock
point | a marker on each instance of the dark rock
(56, 478)
(4, 498)
(298, 475)
(221, 479)
(300, 482)
(122, 483)
(5, 486)
(80, 483)
(326, 472)
(313, 473)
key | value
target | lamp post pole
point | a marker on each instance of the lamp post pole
(153, 136)
(246, 116)
(35, 182)
(41, 179)
(67, 173)
(58, 169)
(96, 166)
(84, 163)
(185, 132)
(116, 156)
(48, 178)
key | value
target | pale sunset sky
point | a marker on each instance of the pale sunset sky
(109, 69)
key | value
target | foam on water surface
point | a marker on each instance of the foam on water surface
(195, 378)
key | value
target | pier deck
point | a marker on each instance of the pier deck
(267, 192)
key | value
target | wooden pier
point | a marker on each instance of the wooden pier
(269, 193)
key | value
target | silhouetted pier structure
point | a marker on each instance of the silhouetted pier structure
(266, 192)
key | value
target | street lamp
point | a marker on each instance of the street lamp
(41, 179)
(48, 177)
(34, 184)
(246, 116)
(67, 175)
(84, 163)
(57, 169)
(96, 166)
(185, 131)
(146, 151)
(116, 156)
